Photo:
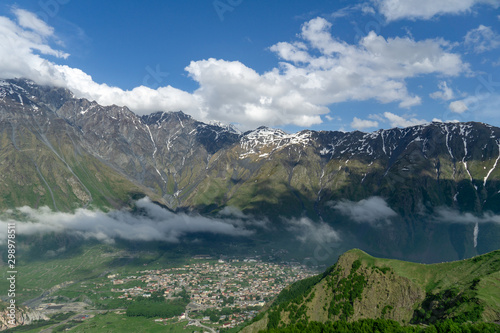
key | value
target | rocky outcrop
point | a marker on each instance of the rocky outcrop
(23, 316)
(360, 286)
(385, 294)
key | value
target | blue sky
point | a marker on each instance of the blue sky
(323, 65)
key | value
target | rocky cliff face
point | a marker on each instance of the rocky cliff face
(23, 316)
(46, 160)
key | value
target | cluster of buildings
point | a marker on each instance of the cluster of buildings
(216, 284)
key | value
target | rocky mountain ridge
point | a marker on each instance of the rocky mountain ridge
(66, 152)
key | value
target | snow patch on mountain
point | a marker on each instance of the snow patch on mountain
(494, 165)
(265, 141)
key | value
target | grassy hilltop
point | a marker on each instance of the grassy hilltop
(361, 290)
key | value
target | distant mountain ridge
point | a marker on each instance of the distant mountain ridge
(66, 152)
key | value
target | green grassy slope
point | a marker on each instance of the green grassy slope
(49, 167)
(361, 287)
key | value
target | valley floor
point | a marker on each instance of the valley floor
(93, 290)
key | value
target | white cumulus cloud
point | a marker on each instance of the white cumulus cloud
(445, 93)
(30, 21)
(425, 9)
(458, 107)
(316, 71)
(361, 124)
(399, 121)
(395, 120)
(482, 39)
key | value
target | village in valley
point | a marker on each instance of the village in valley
(226, 293)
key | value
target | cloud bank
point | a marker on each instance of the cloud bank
(308, 231)
(448, 215)
(372, 210)
(157, 224)
(314, 72)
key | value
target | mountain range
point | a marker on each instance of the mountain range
(427, 192)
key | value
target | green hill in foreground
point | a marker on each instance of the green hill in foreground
(364, 293)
